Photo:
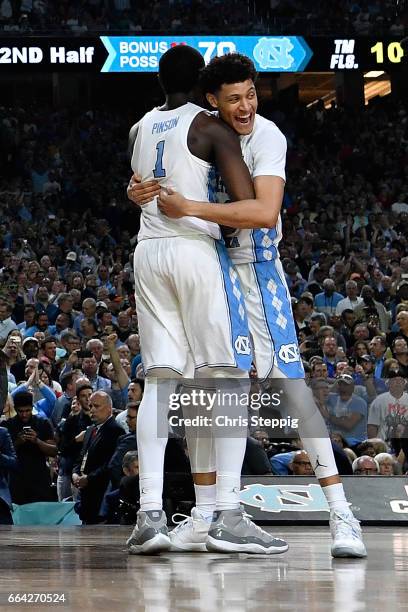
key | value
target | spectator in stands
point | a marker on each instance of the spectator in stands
(388, 414)
(125, 443)
(387, 464)
(44, 406)
(400, 353)
(326, 302)
(91, 473)
(62, 406)
(330, 355)
(33, 440)
(365, 466)
(8, 463)
(71, 436)
(6, 322)
(352, 299)
(347, 413)
(300, 464)
(378, 347)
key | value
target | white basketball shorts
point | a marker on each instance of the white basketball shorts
(190, 306)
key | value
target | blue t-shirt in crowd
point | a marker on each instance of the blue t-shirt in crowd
(337, 407)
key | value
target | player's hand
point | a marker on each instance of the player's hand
(172, 204)
(142, 193)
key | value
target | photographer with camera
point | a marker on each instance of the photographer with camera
(33, 441)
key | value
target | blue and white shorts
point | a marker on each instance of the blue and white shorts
(270, 319)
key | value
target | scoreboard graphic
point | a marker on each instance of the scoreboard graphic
(116, 54)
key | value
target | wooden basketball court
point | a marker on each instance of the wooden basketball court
(90, 567)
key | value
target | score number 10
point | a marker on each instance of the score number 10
(394, 52)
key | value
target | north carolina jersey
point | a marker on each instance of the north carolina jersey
(160, 152)
(264, 152)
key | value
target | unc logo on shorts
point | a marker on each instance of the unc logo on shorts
(289, 353)
(242, 345)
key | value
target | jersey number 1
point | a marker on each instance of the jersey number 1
(159, 171)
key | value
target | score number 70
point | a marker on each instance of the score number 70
(220, 48)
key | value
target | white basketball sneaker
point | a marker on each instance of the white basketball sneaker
(346, 535)
(190, 534)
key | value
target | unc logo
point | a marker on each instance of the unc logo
(242, 345)
(289, 353)
(284, 498)
(274, 53)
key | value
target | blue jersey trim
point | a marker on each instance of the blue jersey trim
(239, 331)
(279, 317)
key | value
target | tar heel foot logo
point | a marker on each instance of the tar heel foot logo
(400, 506)
(274, 53)
(289, 353)
(242, 345)
(284, 498)
(343, 57)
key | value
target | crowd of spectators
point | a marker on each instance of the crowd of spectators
(350, 17)
(68, 323)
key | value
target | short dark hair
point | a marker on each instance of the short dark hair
(229, 68)
(66, 379)
(22, 399)
(47, 340)
(82, 387)
(179, 69)
(139, 381)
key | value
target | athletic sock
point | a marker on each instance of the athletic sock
(151, 488)
(228, 488)
(336, 498)
(205, 500)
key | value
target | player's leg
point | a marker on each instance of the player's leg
(165, 356)
(221, 346)
(277, 356)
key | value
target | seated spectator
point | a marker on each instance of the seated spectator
(33, 441)
(388, 464)
(365, 466)
(378, 347)
(300, 464)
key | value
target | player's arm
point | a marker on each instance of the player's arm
(132, 139)
(261, 211)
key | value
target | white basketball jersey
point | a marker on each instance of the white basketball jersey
(264, 152)
(161, 152)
